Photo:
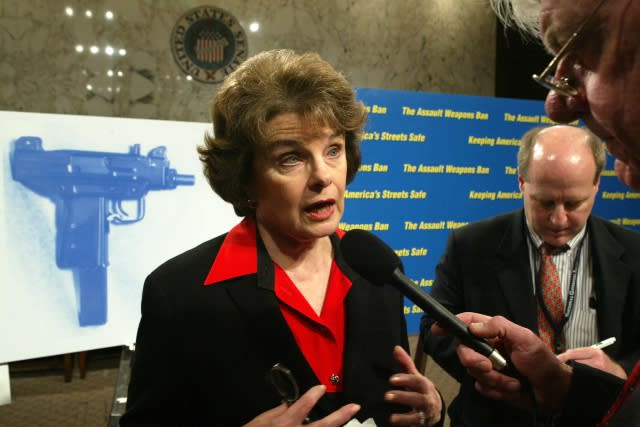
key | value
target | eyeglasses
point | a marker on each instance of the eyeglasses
(286, 385)
(563, 84)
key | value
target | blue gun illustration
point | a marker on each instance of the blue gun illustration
(88, 189)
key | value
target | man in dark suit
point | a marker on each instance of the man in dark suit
(491, 267)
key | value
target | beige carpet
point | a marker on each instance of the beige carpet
(40, 397)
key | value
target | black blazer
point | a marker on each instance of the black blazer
(486, 269)
(203, 352)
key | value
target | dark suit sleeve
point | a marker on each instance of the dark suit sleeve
(405, 345)
(152, 390)
(591, 393)
(628, 361)
(616, 251)
(447, 289)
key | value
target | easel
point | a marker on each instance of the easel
(68, 365)
(5, 385)
(120, 393)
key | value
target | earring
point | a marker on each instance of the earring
(252, 204)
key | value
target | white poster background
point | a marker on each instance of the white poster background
(38, 308)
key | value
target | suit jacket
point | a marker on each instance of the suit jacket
(203, 352)
(590, 395)
(486, 269)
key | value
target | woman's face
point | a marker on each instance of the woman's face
(299, 179)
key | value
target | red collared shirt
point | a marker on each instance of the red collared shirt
(320, 337)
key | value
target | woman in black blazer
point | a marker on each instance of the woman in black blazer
(275, 289)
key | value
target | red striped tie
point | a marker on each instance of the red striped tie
(552, 297)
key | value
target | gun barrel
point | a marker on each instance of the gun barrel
(73, 173)
(184, 179)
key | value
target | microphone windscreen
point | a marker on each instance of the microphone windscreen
(369, 256)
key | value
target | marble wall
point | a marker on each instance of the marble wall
(47, 65)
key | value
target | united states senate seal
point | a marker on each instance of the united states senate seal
(208, 43)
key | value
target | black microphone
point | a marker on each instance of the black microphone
(375, 261)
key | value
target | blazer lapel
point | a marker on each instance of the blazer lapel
(611, 279)
(514, 273)
(270, 331)
(268, 328)
(357, 319)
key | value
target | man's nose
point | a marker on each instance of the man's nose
(558, 215)
(564, 109)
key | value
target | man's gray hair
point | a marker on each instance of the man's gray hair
(523, 15)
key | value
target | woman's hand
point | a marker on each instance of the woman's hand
(417, 392)
(294, 415)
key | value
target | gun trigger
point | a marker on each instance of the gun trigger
(119, 216)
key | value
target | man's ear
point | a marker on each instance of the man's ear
(521, 183)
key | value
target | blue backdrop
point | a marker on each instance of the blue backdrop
(431, 163)
(434, 162)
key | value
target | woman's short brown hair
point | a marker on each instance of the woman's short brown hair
(262, 87)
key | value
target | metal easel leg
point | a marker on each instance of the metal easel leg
(120, 393)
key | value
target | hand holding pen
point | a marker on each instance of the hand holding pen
(595, 357)
(604, 343)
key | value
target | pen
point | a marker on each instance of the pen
(604, 343)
